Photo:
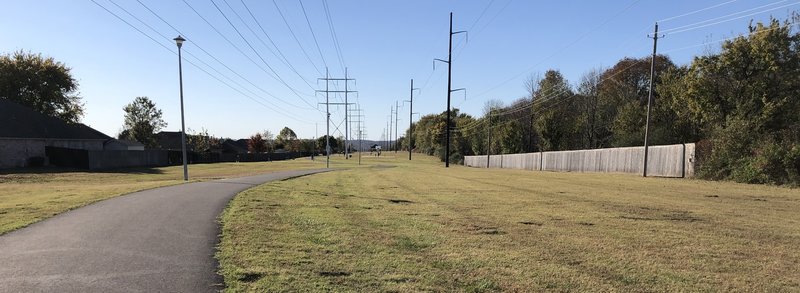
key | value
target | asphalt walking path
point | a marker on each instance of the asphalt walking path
(158, 240)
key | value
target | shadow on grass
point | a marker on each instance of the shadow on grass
(58, 170)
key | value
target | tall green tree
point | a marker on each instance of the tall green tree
(556, 115)
(745, 99)
(256, 144)
(623, 102)
(287, 140)
(142, 121)
(40, 83)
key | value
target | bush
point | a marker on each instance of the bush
(735, 153)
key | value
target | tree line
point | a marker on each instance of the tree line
(740, 105)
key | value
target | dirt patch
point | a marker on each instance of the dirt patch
(485, 230)
(383, 167)
(660, 215)
(400, 280)
(531, 223)
(400, 201)
(250, 277)
(334, 274)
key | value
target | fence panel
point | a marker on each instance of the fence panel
(666, 160)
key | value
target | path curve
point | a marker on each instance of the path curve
(157, 240)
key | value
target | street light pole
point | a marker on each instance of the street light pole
(179, 41)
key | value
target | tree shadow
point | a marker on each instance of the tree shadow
(57, 170)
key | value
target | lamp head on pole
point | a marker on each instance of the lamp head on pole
(179, 40)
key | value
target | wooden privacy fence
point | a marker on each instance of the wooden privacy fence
(665, 160)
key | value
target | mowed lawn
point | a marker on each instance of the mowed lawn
(28, 196)
(393, 226)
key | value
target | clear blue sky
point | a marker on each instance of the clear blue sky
(383, 43)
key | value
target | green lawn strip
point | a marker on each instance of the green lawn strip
(420, 227)
(29, 196)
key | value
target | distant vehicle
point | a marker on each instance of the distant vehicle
(375, 148)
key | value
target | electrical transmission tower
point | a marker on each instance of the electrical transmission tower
(358, 117)
(327, 103)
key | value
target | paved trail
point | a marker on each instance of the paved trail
(159, 240)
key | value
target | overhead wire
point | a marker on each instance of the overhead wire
(277, 76)
(584, 35)
(333, 34)
(191, 63)
(696, 11)
(278, 108)
(281, 57)
(299, 44)
(716, 20)
(196, 44)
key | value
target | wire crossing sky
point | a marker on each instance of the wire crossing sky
(254, 65)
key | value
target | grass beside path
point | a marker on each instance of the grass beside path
(29, 196)
(393, 226)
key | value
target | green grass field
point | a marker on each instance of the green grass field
(389, 225)
(28, 196)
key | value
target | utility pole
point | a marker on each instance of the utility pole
(346, 125)
(488, 138)
(449, 85)
(389, 141)
(327, 103)
(650, 97)
(410, 119)
(396, 121)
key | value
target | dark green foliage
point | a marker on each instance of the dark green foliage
(40, 83)
(142, 122)
(745, 100)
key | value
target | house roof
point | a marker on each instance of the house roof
(170, 140)
(235, 146)
(17, 121)
(129, 142)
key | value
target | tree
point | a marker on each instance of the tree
(142, 121)
(745, 101)
(202, 142)
(322, 142)
(555, 113)
(40, 83)
(269, 139)
(622, 102)
(287, 140)
(588, 103)
(256, 144)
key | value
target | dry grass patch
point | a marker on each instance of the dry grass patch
(30, 195)
(420, 227)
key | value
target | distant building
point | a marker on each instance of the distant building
(123, 145)
(24, 134)
(230, 146)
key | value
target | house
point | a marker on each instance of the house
(123, 145)
(230, 146)
(24, 134)
(171, 141)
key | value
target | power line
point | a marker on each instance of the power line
(333, 34)
(215, 59)
(192, 63)
(257, 54)
(282, 57)
(696, 11)
(302, 49)
(702, 24)
(561, 49)
(314, 36)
